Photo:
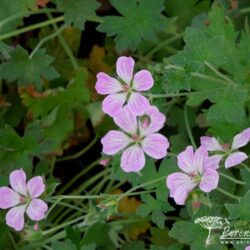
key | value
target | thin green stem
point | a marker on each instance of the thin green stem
(245, 166)
(164, 43)
(78, 176)
(232, 179)
(26, 14)
(245, 10)
(92, 180)
(189, 131)
(40, 44)
(63, 225)
(218, 73)
(141, 186)
(80, 153)
(232, 196)
(65, 45)
(31, 27)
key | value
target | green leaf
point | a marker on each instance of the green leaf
(139, 20)
(56, 108)
(66, 245)
(156, 207)
(27, 70)
(9, 8)
(135, 245)
(77, 11)
(177, 80)
(241, 210)
(229, 106)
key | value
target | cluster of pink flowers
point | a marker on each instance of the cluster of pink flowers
(138, 121)
(200, 168)
(23, 197)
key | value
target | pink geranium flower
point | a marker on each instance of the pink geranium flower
(138, 136)
(23, 198)
(231, 153)
(198, 168)
(126, 89)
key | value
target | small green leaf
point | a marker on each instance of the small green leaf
(143, 16)
(27, 70)
(77, 11)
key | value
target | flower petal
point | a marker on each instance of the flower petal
(210, 143)
(138, 104)
(15, 217)
(126, 120)
(157, 120)
(235, 159)
(186, 160)
(107, 85)
(8, 198)
(180, 185)
(155, 145)
(113, 103)
(18, 181)
(114, 141)
(37, 209)
(124, 68)
(213, 161)
(241, 139)
(143, 80)
(133, 159)
(209, 180)
(35, 186)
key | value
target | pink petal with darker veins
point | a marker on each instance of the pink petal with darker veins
(8, 198)
(157, 120)
(213, 161)
(107, 85)
(185, 160)
(180, 185)
(155, 145)
(35, 186)
(37, 209)
(124, 68)
(126, 120)
(113, 103)
(210, 143)
(235, 159)
(143, 80)
(133, 159)
(114, 141)
(138, 104)
(241, 139)
(18, 181)
(209, 180)
(15, 217)
(200, 156)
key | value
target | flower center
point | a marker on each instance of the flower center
(125, 88)
(194, 177)
(225, 146)
(136, 138)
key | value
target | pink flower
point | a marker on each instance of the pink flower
(247, 248)
(125, 90)
(138, 137)
(232, 156)
(199, 169)
(23, 198)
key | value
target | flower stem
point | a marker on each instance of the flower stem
(40, 44)
(232, 179)
(65, 45)
(80, 153)
(228, 194)
(31, 27)
(189, 131)
(246, 167)
(164, 43)
(218, 73)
